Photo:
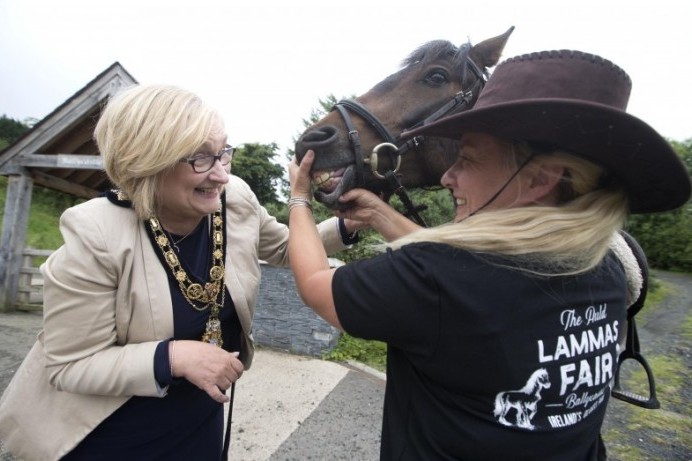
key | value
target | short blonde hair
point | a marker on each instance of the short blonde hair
(144, 131)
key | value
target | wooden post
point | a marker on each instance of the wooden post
(23, 296)
(14, 228)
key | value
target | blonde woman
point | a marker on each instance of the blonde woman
(149, 303)
(503, 326)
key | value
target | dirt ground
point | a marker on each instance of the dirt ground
(632, 433)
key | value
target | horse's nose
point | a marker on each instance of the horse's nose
(316, 138)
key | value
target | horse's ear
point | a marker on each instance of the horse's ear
(487, 53)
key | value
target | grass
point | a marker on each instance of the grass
(46, 207)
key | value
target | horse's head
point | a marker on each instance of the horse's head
(356, 143)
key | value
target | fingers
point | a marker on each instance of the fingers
(361, 197)
(236, 368)
(306, 163)
(218, 391)
(208, 367)
(215, 393)
(299, 175)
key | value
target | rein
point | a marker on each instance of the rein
(394, 147)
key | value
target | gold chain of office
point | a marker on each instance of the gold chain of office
(195, 292)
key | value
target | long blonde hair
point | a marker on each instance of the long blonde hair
(142, 134)
(569, 238)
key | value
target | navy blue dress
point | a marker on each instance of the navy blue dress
(186, 424)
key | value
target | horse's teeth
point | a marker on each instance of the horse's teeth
(322, 178)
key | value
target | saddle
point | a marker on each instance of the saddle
(636, 267)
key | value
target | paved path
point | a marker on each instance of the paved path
(287, 407)
(291, 407)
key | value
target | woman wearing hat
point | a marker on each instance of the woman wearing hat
(503, 326)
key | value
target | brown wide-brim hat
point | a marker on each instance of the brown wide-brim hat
(575, 101)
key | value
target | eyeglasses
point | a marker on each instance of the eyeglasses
(201, 163)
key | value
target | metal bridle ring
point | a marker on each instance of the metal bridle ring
(372, 161)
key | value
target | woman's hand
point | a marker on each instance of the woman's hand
(368, 210)
(208, 367)
(299, 176)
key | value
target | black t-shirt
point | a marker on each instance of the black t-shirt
(486, 362)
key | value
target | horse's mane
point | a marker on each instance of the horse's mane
(436, 49)
(431, 51)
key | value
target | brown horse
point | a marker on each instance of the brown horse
(437, 79)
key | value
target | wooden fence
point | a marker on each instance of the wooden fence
(30, 291)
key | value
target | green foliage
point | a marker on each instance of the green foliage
(667, 237)
(438, 202)
(367, 247)
(46, 207)
(278, 210)
(53, 200)
(253, 163)
(325, 106)
(371, 353)
(43, 227)
(11, 130)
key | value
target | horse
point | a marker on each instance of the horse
(436, 79)
(524, 401)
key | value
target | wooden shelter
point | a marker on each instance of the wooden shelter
(57, 153)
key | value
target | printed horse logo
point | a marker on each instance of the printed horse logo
(524, 401)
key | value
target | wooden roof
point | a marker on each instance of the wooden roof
(59, 151)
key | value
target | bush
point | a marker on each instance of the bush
(371, 353)
(666, 238)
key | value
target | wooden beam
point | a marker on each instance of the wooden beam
(56, 183)
(71, 161)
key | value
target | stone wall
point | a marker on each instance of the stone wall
(283, 322)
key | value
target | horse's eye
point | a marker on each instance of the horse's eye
(436, 78)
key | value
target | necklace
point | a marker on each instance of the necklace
(193, 292)
(176, 242)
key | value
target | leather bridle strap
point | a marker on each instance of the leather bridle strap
(461, 101)
(412, 211)
(354, 139)
(368, 116)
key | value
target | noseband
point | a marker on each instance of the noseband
(461, 101)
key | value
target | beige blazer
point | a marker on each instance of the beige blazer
(107, 305)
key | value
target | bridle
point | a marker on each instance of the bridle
(394, 146)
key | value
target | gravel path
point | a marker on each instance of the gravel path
(634, 434)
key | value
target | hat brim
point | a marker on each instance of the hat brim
(644, 162)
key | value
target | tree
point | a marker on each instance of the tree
(324, 107)
(253, 163)
(11, 130)
(666, 238)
